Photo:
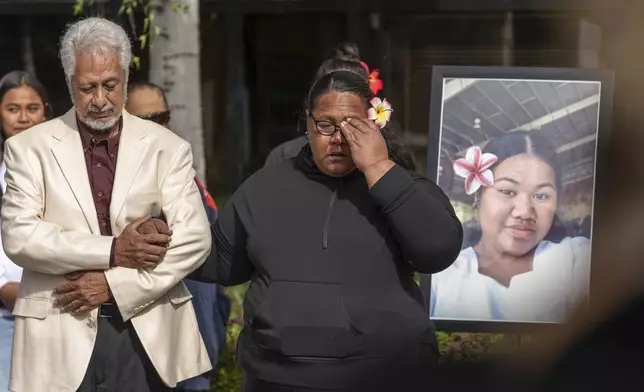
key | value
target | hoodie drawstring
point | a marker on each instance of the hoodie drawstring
(327, 219)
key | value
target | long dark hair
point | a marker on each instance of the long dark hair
(344, 81)
(16, 79)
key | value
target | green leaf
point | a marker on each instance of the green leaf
(129, 11)
(143, 38)
(157, 31)
(137, 62)
(78, 7)
(146, 24)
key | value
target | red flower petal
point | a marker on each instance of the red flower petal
(465, 165)
(375, 85)
(487, 160)
(468, 182)
(477, 157)
(472, 184)
(365, 66)
(471, 154)
(486, 178)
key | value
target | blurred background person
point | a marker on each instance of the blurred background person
(148, 101)
(520, 269)
(212, 306)
(23, 104)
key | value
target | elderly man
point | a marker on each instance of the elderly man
(102, 305)
(148, 101)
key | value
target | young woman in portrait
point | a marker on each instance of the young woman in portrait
(518, 270)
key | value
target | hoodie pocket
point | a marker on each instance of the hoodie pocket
(303, 319)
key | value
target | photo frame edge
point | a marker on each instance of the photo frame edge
(439, 73)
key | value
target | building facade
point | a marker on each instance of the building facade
(258, 57)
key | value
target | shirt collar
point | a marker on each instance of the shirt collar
(87, 135)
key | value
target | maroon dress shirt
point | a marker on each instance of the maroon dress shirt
(101, 152)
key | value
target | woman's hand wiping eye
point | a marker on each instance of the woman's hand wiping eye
(368, 147)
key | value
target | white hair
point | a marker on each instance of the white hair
(96, 36)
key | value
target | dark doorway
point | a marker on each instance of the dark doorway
(283, 53)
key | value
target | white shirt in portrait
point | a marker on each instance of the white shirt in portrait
(557, 284)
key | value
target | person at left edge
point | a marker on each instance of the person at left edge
(102, 307)
(24, 103)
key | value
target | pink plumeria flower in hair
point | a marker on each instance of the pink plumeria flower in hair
(380, 112)
(475, 169)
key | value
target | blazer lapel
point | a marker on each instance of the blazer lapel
(69, 154)
(130, 156)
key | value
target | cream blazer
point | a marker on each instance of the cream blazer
(50, 228)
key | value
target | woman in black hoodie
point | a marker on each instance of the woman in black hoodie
(330, 241)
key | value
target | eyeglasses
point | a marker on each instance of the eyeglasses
(161, 118)
(326, 128)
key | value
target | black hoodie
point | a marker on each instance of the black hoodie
(332, 297)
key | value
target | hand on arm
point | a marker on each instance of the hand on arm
(82, 293)
(135, 289)
(155, 226)
(143, 242)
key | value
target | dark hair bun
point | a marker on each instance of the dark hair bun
(346, 51)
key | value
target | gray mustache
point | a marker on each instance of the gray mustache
(96, 110)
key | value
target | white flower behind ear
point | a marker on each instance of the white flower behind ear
(380, 112)
(475, 169)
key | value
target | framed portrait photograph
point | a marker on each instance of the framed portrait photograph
(516, 152)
